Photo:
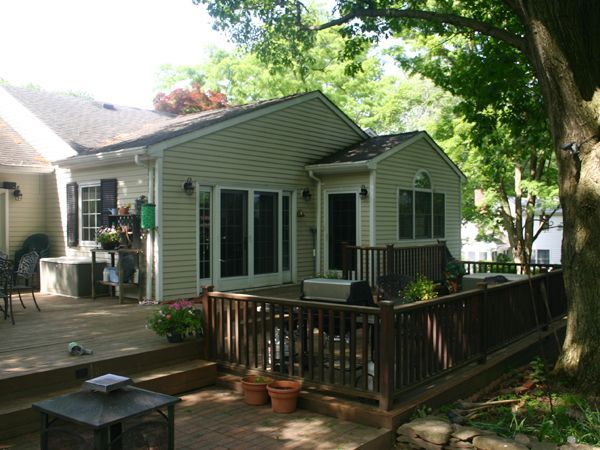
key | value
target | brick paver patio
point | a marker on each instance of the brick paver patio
(217, 418)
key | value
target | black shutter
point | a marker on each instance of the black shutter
(108, 199)
(72, 215)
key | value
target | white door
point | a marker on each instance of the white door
(4, 220)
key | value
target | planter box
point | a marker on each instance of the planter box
(70, 276)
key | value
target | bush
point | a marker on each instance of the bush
(420, 289)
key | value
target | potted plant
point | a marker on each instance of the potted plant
(284, 395)
(176, 321)
(420, 289)
(255, 389)
(124, 209)
(108, 237)
(453, 275)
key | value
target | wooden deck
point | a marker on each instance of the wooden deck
(38, 341)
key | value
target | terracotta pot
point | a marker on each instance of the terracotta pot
(284, 395)
(123, 211)
(255, 392)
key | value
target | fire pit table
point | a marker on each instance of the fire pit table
(104, 412)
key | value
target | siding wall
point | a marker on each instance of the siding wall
(26, 216)
(267, 152)
(398, 172)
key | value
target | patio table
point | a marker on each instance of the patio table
(105, 413)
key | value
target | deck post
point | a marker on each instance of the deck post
(389, 252)
(482, 323)
(208, 325)
(386, 355)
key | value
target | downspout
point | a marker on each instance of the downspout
(317, 250)
(150, 236)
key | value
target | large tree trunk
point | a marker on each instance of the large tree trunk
(563, 38)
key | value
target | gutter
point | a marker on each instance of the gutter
(147, 163)
(318, 223)
(106, 158)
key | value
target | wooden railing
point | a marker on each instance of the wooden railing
(369, 263)
(375, 353)
(505, 267)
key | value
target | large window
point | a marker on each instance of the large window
(90, 212)
(421, 212)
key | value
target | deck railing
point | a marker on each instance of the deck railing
(369, 263)
(506, 267)
(379, 352)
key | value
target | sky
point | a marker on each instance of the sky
(109, 49)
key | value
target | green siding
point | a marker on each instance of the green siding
(398, 171)
(270, 151)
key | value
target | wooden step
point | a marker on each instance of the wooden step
(17, 417)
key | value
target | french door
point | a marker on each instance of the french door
(254, 235)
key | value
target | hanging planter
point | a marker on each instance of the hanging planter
(255, 389)
(284, 395)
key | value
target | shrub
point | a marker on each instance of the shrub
(420, 289)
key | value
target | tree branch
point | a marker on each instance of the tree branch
(459, 21)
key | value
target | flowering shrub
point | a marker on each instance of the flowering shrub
(107, 235)
(177, 318)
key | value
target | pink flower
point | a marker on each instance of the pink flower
(168, 316)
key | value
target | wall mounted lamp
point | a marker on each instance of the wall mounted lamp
(363, 192)
(188, 186)
(306, 195)
(17, 194)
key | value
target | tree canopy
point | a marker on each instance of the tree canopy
(189, 100)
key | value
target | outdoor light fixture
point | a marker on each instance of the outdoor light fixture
(363, 192)
(306, 195)
(17, 194)
(188, 186)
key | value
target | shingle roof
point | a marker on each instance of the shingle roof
(368, 149)
(85, 123)
(93, 127)
(14, 151)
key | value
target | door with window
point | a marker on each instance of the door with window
(4, 220)
(204, 236)
(341, 227)
(254, 236)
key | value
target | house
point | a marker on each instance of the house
(272, 188)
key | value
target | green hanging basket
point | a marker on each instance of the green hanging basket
(148, 216)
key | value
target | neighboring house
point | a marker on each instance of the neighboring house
(546, 249)
(278, 185)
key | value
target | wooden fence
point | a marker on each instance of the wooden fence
(369, 263)
(375, 353)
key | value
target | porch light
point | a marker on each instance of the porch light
(17, 194)
(188, 186)
(363, 192)
(306, 195)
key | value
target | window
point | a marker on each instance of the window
(204, 233)
(541, 257)
(421, 212)
(90, 212)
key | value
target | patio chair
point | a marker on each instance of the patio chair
(23, 279)
(6, 280)
(39, 243)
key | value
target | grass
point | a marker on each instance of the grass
(544, 408)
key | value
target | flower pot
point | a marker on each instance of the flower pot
(123, 211)
(109, 245)
(284, 395)
(174, 337)
(255, 392)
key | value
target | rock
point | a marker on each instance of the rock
(456, 444)
(578, 447)
(467, 433)
(525, 439)
(406, 429)
(497, 443)
(543, 446)
(431, 429)
(423, 444)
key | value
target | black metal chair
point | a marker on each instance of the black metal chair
(6, 280)
(23, 279)
(390, 287)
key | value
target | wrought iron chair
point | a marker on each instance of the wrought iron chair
(6, 280)
(390, 287)
(23, 280)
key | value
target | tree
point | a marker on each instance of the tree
(556, 38)
(384, 103)
(509, 153)
(189, 101)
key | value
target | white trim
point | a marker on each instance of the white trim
(204, 281)
(327, 193)
(154, 149)
(336, 168)
(80, 186)
(158, 244)
(102, 159)
(32, 129)
(372, 204)
(25, 169)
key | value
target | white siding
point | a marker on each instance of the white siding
(398, 172)
(267, 152)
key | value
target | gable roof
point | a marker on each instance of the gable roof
(369, 152)
(17, 153)
(81, 122)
